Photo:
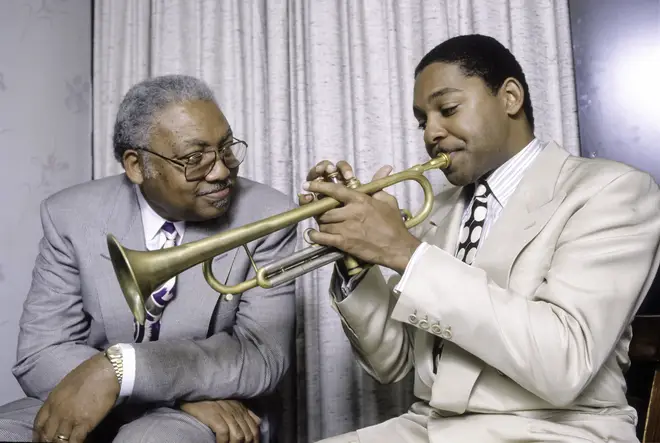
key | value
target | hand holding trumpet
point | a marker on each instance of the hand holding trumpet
(368, 227)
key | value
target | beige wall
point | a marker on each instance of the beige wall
(45, 138)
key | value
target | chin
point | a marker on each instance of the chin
(217, 208)
(457, 179)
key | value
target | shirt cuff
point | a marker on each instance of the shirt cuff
(347, 284)
(413, 260)
(128, 363)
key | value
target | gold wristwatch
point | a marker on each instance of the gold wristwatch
(114, 355)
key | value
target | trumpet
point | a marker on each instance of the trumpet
(139, 273)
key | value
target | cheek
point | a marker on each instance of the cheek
(177, 190)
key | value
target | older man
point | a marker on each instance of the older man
(516, 295)
(84, 362)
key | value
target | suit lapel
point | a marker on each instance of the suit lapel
(125, 223)
(447, 222)
(190, 312)
(525, 215)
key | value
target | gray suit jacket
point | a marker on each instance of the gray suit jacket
(536, 331)
(209, 347)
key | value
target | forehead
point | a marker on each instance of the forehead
(200, 120)
(439, 76)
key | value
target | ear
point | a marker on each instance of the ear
(513, 95)
(133, 165)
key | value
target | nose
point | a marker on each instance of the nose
(219, 172)
(434, 132)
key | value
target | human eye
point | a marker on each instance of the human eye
(448, 111)
(421, 124)
(193, 159)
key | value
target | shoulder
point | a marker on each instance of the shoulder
(261, 199)
(85, 200)
(595, 175)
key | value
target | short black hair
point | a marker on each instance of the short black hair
(484, 57)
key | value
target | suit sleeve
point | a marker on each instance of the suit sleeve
(382, 345)
(554, 341)
(247, 361)
(53, 325)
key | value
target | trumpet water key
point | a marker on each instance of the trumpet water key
(140, 272)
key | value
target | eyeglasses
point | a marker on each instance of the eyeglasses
(198, 165)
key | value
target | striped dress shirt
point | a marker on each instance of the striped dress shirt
(503, 182)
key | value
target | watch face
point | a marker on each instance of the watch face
(114, 351)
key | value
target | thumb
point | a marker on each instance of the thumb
(384, 171)
(303, 199)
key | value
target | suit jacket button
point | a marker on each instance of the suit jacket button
(435, 328)
(412, 319)
(229, 297)
(424, 324)
(446, 334)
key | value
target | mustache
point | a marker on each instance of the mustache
(217, 187)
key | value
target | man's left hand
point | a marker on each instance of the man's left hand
(230, 420)
(369, 228)
(78, 403)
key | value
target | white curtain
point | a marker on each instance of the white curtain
(304, 80)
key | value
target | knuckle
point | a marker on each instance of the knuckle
(221, 431)
(83, 426)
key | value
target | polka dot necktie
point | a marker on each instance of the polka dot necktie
(472, 230)
(469, 239)
(158, 299)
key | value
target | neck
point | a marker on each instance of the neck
(519, 140)
(157, 208)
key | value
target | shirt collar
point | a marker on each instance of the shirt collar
(504, 180)
(151, 221)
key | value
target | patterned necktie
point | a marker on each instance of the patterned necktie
(473, 227)
(468, 243)
(158, 299)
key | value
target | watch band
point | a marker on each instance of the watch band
(114, 355)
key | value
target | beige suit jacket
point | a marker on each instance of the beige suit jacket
(536, 332)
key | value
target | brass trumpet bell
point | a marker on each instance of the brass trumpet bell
(141, 272)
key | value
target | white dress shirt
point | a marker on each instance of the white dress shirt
(154, 239)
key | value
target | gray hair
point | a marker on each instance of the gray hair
(143, 101)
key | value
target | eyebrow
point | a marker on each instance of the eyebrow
(443, 91)
(197, 142)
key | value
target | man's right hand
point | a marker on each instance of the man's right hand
(230, 420)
